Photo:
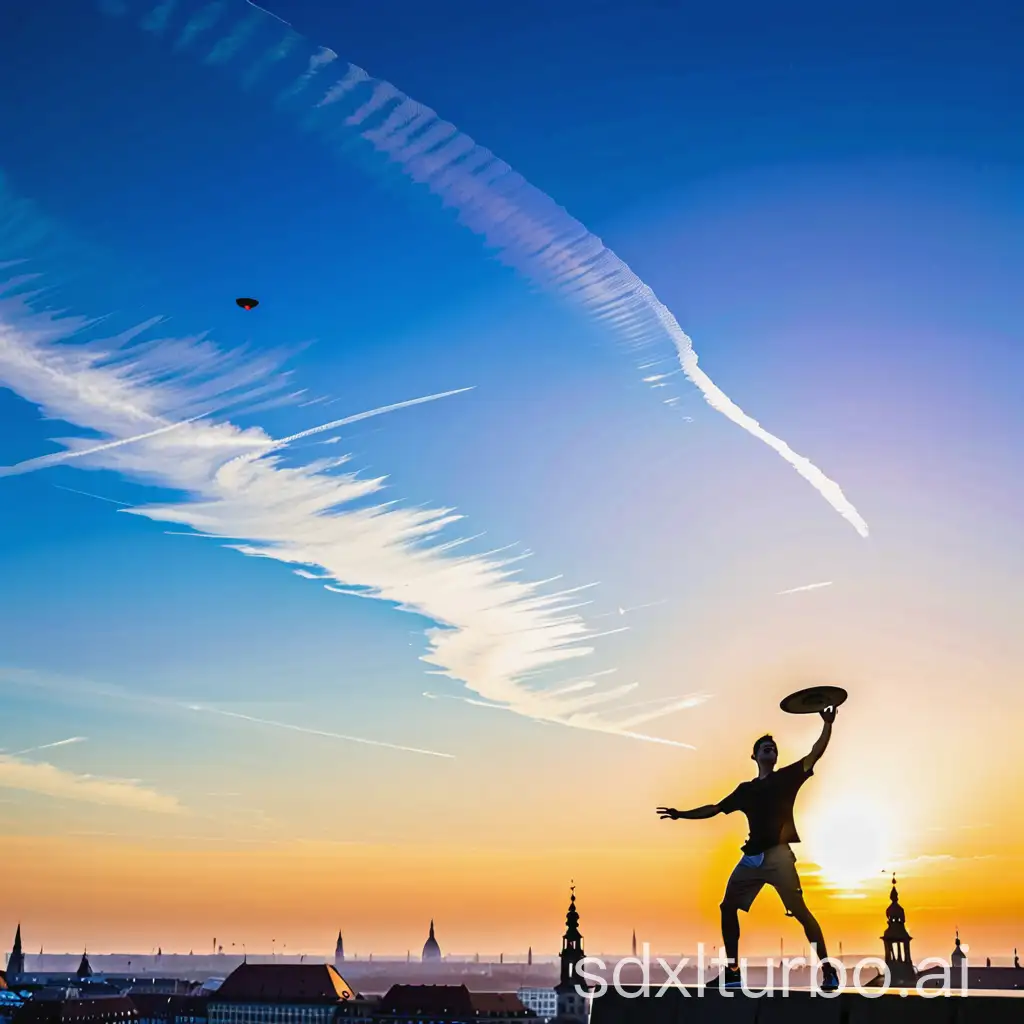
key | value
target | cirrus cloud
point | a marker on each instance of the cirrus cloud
(493, 631)
(47, 779)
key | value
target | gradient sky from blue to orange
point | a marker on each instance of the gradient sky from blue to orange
(832, 208)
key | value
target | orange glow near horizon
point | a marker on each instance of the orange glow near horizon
(118, 897)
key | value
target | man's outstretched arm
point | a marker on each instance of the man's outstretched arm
(707, 811)
(828, 717)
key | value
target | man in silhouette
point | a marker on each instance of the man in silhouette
(768, 858)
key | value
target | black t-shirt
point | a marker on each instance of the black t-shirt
(768, 805)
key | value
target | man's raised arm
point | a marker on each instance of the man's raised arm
(707, 811)
(828, 717)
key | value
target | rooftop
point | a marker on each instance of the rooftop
(284, 983)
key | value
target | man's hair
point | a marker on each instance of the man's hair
(766, 738)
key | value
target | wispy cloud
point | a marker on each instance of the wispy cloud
(527, 230)
(49, 780)
(315, 732)
(523, 226)
(943, 858)
(493, 631)
(805, 587)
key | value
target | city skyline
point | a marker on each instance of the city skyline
(256, 674)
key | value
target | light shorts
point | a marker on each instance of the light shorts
(775, 867)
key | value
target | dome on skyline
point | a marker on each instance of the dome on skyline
(431, 950)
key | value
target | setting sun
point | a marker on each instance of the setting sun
(850, 840)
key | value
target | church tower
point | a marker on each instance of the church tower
(16, 961)
(634, 942)
(897, 942)
(958, 964)
(339, 953)
(570, 1002)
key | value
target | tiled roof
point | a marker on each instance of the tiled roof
(434, 1000)
(449, 1001)
(284, 983)
(503, 1003)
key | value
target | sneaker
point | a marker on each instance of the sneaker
(732, 978)
(829, 979)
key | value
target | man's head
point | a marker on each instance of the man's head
(766, 753)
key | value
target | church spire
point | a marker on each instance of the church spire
(339, 950)
(634, 942)
(84, 968)
(16, 961)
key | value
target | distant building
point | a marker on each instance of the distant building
(571, 1004)
(132, 985)
(284, 994)
(431, 950)
(448, 1004)
(542, 1001)
(68, 1006)
(339, 952)
(157, 1008)
(975, 979)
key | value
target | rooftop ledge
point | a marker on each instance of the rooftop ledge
(798, 1007)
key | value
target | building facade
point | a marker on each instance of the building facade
(448, 1004)
(541, 1001)
(284, 994)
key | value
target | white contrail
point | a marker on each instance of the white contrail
(49, 746)
(270, 13)
(611, 728)
(259, 447)
(89, 494)
(45, 461)
(633, 608)
(356, 417)
(806, 586)
(524, 227)
(316, 732)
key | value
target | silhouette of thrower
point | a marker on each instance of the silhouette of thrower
(768, 858)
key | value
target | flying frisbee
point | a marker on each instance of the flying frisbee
(247, 303)
(813, 700)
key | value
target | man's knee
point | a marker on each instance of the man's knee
(803, 915)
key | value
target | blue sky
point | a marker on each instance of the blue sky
(829, 203)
